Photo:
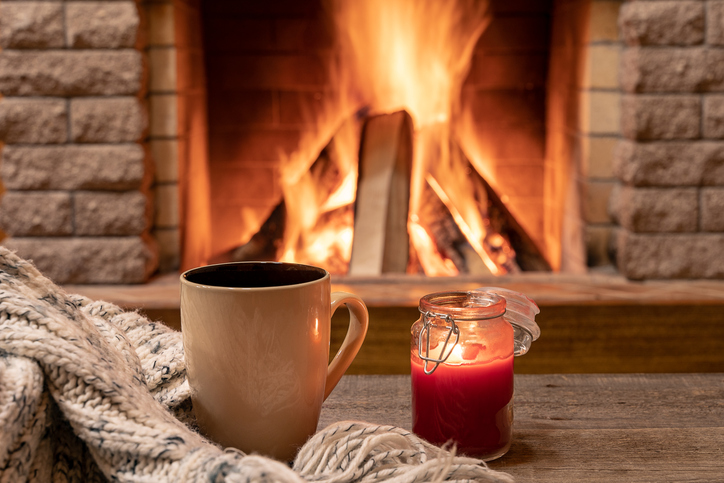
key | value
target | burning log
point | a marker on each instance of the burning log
(312, 215)
(381, 243)
(492, 235)
(443, 230)
(466, 228)
(265, 245)
(527, 254)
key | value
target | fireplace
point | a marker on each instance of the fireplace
(139, 137)
(321, 77)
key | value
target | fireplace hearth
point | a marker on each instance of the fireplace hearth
(149, 136)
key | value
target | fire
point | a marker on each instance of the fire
(319, 222)
(473, 232)
(414, 55)
(434, 264)
(396, 54)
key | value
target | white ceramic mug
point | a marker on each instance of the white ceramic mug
(256, 340)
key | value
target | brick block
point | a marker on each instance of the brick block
(109, 260)
(160, 18)
(260, 183)
(165, 153)
(713, 171)
(187, 24)
(503, 109)
(532, 32)
(601, 69)
(33, 121)
(190, 68)
(107, 120)
(36, 213)
(518, 142)
(595, 201)
(70, 73)
(162, 69)
(264, 9)
(660, 164)
(508, 71)
(603, 23)
(73, 167)
(597, 154)
(714, 81)
(712, 209)
(169, 249)
(304, 34)
(225, 33)
(98, 25)
(167, 206)
(253, 145)
(713, 122)
(656, 210)
(258, 107)
(101, 213)
(598, 245)
(520, 6)
(164, 113)
(599, 112)
(715, 22)
(668, 256)
(662, 23)
(31, 25)
(233, 72)
(660, 117)
(663, 70)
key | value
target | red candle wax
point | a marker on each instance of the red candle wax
(470, 404)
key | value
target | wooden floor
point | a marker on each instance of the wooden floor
(595, 323)
(581, 428)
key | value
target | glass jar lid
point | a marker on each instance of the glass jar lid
(472, 305)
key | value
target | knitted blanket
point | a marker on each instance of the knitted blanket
(91, 393)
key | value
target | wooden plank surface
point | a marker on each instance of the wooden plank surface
(547, 289)
(589, 323)
(571, 428)
(574, 339)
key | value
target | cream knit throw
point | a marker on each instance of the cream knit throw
(90, 393)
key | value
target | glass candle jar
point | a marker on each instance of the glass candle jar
(462, 368)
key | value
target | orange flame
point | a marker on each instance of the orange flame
(396, 54)
(474, 230)
(319, 224)
(414, 55)
(433, 263)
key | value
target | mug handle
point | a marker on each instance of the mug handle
(358, 321)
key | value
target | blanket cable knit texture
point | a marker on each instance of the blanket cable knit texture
(92, 393)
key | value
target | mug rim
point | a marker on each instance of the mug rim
(185, 281)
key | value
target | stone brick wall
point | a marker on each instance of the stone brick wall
(99, 119)
(600, 128)
(670, 200)
(75, 173)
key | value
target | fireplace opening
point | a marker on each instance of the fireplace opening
(385, 137)
(176, 135)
